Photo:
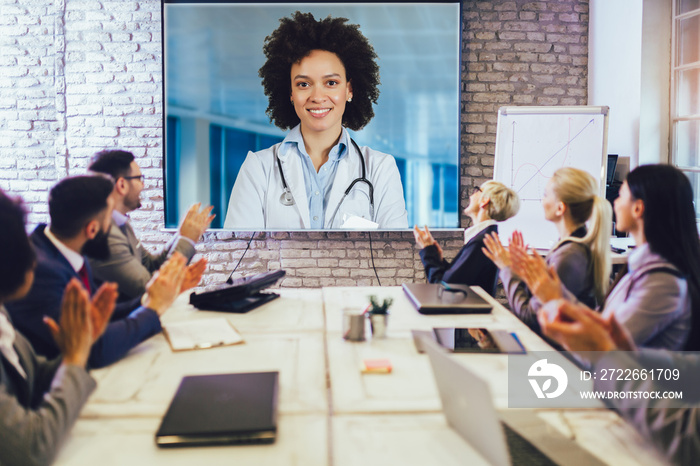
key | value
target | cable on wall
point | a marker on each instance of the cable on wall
(230, 280)
(371, 254)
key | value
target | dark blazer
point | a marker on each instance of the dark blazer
(469, 267)
(37, 413)
(131, 324)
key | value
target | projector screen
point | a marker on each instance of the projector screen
(218, 139)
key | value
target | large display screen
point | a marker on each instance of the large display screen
(221, 147)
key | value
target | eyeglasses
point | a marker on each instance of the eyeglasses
(136, 177)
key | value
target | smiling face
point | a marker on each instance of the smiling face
(320, 91)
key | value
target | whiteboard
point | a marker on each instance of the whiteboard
(531, 144)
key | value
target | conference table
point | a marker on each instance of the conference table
(330, 413)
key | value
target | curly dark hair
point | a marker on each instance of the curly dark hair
(295, 39)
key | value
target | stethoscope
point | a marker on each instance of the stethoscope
(287, 199)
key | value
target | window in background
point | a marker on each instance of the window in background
(685, 92)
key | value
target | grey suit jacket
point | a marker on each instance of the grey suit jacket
(130, 265)
(37, 413)
(673, 426)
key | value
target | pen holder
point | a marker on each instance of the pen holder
(353, 325)
(378, 324)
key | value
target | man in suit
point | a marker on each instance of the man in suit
(489, 203)
(40, 400)
(80, 209)
(130, 265)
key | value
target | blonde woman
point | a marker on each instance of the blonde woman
(489, 203)
(581, 257)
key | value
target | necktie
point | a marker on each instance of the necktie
(82, 273)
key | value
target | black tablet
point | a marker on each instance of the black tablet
(477, 340)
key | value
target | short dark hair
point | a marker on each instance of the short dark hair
(296, 38)
(18, 256)
(75, 201)
(115, 163)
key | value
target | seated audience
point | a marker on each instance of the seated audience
(673, 429)
(581, 257)
(40, 399)
(80, 210)
(130, 264)
(653, 297)
(491, 203)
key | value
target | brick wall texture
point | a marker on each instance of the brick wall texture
(78, 76)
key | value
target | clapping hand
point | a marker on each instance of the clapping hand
(495, 251)
(166, 283)
(101, 308)
(74, 336)
(424, 239)
(578, 328)
(542, 280)
(196, 222)
(193, 274)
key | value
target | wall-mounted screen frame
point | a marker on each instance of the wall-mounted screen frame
(214, 106)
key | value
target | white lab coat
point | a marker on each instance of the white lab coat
(255, 198)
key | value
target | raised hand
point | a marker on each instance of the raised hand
(74, 335)
(495, 251)
(193, 274)
(423, 238)
(165, 284)
(576, 327)
(543, 281)
(517, 241)
(196, 222)
(101, 308)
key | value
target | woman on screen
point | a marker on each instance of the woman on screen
(581, 257)
(321, 78)
(653, 297)
(489, 203)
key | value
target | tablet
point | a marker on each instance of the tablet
(477, 340)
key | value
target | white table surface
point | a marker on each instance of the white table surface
(330, 413)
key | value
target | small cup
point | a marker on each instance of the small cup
(353, 325)
(378, 324)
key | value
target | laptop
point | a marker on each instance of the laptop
(222, 409)
(469, 410)
(443, 298)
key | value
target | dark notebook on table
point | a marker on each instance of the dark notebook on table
(443, 298)
(222, 409)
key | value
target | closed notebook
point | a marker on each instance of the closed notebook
(222, 409)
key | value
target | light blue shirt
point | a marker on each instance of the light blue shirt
(318, 185)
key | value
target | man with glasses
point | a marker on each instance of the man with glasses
(131, 265)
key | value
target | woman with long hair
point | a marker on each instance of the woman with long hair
(653, 298)
(581, 257)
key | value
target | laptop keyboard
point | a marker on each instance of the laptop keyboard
(522, 452)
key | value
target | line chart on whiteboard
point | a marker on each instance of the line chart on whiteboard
(548, 151)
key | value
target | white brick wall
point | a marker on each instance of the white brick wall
(78, 76)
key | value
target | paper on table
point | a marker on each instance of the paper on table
(201, 334)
